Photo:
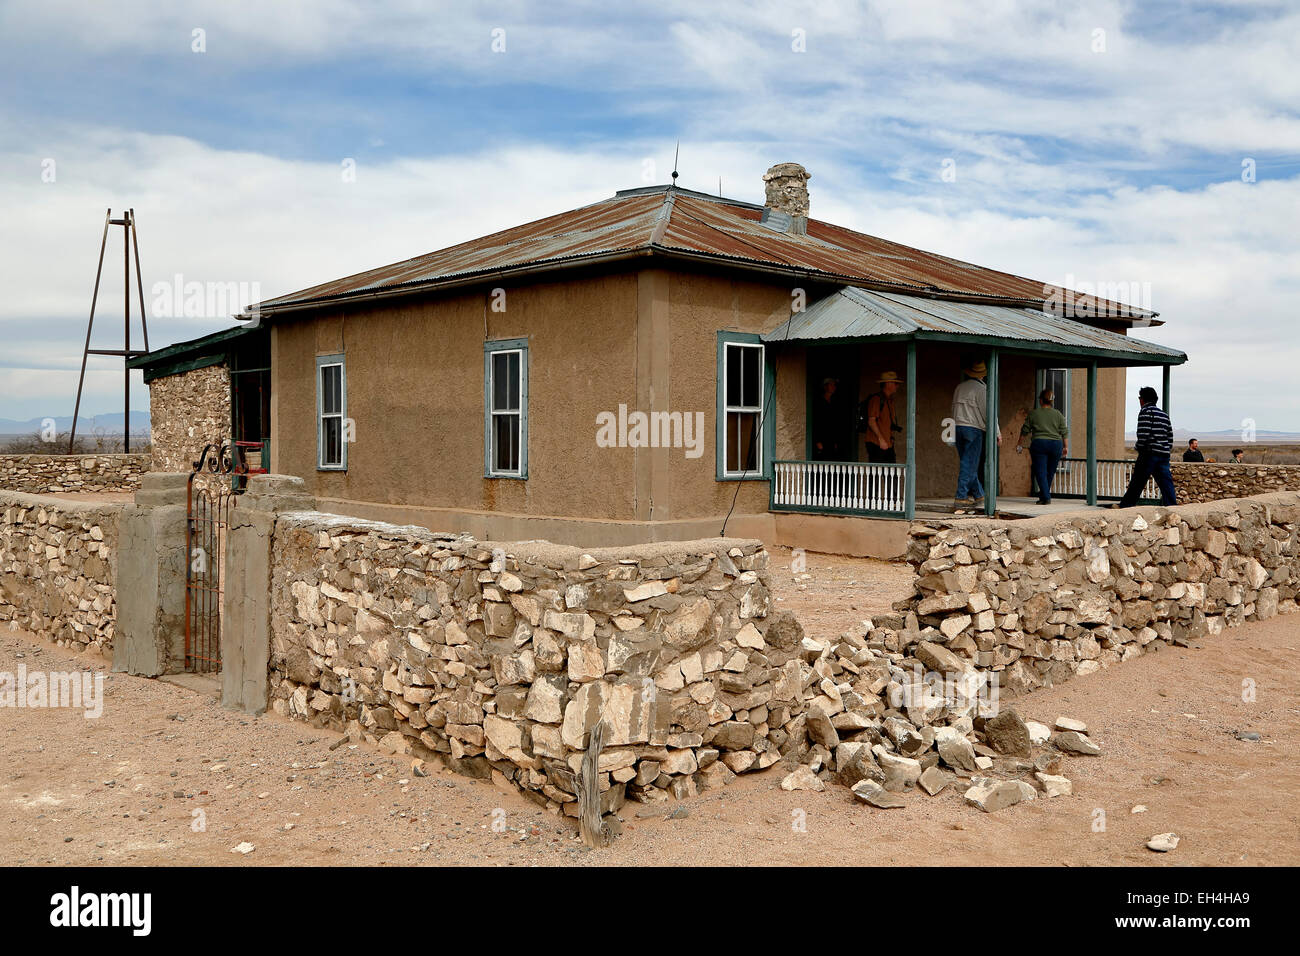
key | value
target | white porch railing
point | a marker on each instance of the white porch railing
(852, 487)
(1113, 476)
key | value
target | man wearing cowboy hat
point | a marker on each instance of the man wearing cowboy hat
(970, 416)
(876, 417)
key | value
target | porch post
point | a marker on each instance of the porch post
(1092, 433)
(909, 479)
(1164, 390)
(991, 437)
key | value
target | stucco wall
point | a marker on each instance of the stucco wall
(939, 371)
(645, 339)
(415, 392)
(1112, 403)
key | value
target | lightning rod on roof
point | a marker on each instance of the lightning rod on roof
(676, 152)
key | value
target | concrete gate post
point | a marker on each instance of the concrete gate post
(151, 563)
(246, 606)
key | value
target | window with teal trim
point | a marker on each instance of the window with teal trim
(505, 436)
(743, 390)
(331, 413)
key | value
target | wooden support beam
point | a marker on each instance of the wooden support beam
(910, 479)
(1092, 433)
(991, 437)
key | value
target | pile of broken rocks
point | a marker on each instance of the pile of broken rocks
(875, 729)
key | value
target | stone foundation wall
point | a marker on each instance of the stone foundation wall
(45, 474)
(501, 658)
(187, 411)
(58, 565)
(1043, 599)
(1198, 482)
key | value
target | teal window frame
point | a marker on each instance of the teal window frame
(1062, 394)
(766, 422)
(1062, 404)
(323, 362)
(491, 349)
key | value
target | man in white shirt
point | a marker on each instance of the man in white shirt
(970, 416)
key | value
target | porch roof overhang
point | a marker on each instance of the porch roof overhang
(210, 349)
(855, 314)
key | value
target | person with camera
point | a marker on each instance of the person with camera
(877, 417)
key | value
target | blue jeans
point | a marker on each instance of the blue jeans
(1044, 455)
(1147, 465)
(970, 442)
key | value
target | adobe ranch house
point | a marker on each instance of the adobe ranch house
(473, 388)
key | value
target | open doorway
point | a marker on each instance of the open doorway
(832, 403)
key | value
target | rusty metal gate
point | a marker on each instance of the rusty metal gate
(213, 489)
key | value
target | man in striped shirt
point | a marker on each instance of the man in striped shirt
(1155, 443)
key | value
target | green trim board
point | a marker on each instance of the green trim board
(1092, 434)
(163, 369)
(827, 510)
(1106, 358)
(854, 313)
(910, 480)
(809, 510)
(193, 353)
(992, 428)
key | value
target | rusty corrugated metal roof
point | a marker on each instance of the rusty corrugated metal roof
(669, 221)
(856, 313)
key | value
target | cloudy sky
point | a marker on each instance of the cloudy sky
(276, 145)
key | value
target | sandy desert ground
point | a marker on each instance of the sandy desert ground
(131, 786)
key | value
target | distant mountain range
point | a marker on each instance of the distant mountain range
(109, 423)
(1230, 436)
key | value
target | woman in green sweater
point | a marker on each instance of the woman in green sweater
(1049, 441)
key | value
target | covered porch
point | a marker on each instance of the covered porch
(854, 337)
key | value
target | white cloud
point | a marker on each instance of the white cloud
(1221, 261)
(1059, 151)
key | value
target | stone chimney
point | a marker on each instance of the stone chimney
(785, 206)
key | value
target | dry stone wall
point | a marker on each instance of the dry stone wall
(58, 565)
(501, 659)
(47, 474)
(187, 411)
(1197, 482)
(1041, 600)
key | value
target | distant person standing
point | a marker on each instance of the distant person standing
(877, 418)
(1193, 452)
(1237, 458)
(1049, 441)
(828, 442)
(970, 416)
(1155, 443)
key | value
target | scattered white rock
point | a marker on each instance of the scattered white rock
(870, 792)
(1076, 743)
(1163, 842)
(1054, 785)
(994, 795)
(1038, 733)
(803, 779)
